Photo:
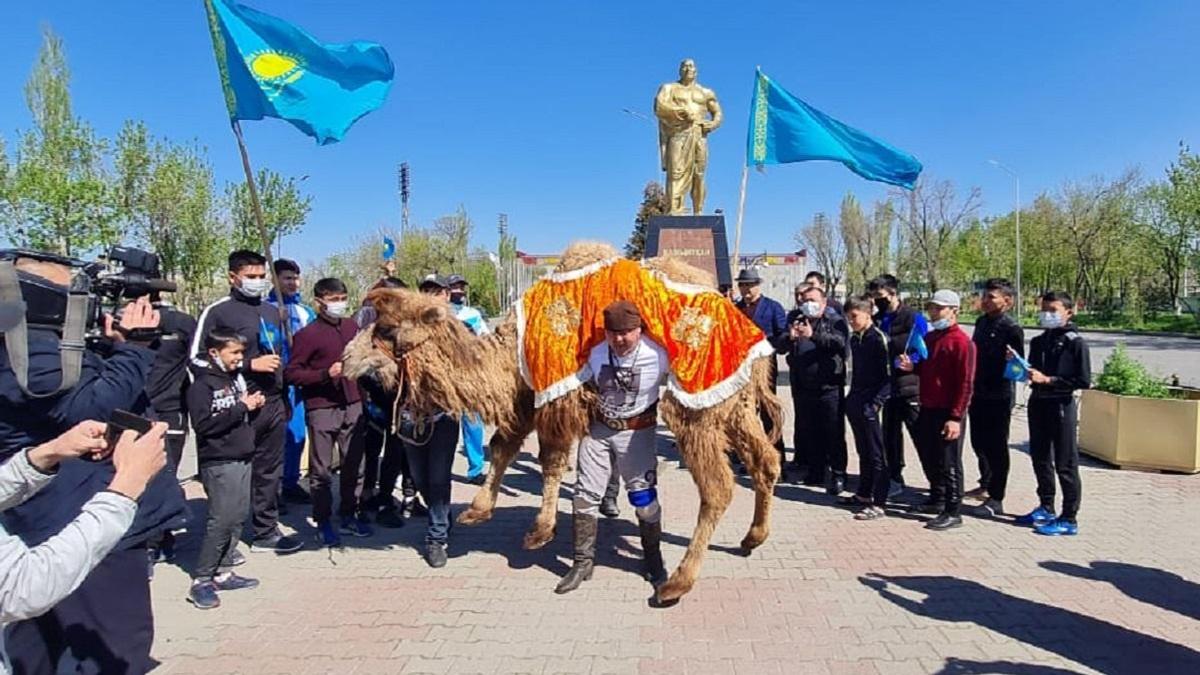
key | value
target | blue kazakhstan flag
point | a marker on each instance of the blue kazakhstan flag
(785, 129)
(1016, 368)
(270, 68)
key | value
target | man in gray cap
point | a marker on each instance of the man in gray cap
(626, 370)
(947, 378)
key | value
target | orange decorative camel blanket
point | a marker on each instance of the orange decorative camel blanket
(710, 344)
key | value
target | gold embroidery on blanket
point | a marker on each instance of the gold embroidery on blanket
(692, 328)
(564, 317)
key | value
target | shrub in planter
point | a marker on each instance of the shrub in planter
(1124, 376)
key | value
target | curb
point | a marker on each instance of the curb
(1135, 333)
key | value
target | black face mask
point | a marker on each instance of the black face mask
(458, 298)
(884, 305)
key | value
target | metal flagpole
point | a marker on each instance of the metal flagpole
(737, 236)
(262, 230)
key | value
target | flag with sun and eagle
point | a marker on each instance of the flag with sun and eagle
(270, 68)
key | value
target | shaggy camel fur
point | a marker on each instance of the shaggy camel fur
(442, 366)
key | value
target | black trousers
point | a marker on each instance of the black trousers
(270, 428)
(899, 413)
(105, 626)
(941, 459)
(380, 475)
(989, 420)
(816, 429)
(1055, 451)
(177, 430)
(873, 478)
(227, 486)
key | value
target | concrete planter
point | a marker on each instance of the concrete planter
(1141, 433)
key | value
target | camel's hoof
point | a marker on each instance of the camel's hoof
(669, 593)
(535, 539)
(752, 541)
(474, 517)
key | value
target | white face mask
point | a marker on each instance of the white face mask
(336, 309)
(254, 288)
(940, 324)
(810, 309)
(1049, 320)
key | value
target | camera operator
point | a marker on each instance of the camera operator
(49, 383)
(36, 578)
(815, 345)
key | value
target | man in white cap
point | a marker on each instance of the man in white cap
(947, 378)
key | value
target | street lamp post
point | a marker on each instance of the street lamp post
(1017, 180)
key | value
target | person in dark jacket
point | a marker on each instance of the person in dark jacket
(996, 333)
(1060, 365)
(219, 407)
(244, 312)
(815, 345)
(771, 319)
(107, 623)
(333, 411)
(870, 385)
(947, 377)
(299, 315)
(901, 324)
(166, 386)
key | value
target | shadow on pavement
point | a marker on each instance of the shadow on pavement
(1160, 588)
(1091, 642)
(966, 667)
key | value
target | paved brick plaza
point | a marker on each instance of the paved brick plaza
(823, 595)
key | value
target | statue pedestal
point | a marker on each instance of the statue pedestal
(697, 240)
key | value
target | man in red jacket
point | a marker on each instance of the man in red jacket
(947, 378)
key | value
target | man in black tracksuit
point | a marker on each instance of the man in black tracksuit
(869, 388)
(815, 345)
(1060, 364)
(898, 321)
(244, 312)
(166, 385)
(991, 405)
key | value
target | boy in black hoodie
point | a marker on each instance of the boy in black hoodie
(870, 386)
(219, 407)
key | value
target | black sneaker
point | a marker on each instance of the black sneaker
(435, 554)
(477, 479)
(233, 582)
(277, 543)
(203, 594)
(944, 521)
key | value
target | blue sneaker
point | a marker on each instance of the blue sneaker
(203, 594)
(233, 582)
(329, 536)
(358, 526)
(1058, 528)
(1039, 516)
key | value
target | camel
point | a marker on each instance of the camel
(436, 364)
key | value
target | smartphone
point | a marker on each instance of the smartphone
(119, 422)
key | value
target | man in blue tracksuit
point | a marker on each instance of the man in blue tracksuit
(299, 316)
(472, 425)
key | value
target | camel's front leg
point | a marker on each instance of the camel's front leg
(704, 455)
(553, 458)
(504, 451)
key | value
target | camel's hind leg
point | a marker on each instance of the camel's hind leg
(504, 450)
(703, 449)
(761, 458)
(554, 458)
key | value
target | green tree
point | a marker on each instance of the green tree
(654, 203)
(57, 194)
(285, 209)
(931, 216)
(826, 249)
(1171, 215)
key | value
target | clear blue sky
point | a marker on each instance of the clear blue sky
(515, 107)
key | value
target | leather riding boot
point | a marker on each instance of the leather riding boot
(652, 561)
(585, 554)
(608, 505)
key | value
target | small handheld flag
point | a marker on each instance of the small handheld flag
(389, 248)
(916, 345)
(271, 68)
(1016, 368)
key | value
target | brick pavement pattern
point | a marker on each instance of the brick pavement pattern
(825, 594)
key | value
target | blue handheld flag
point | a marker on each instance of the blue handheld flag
(1016, 369)
(389, 248)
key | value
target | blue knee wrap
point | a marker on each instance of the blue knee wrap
(641, 498)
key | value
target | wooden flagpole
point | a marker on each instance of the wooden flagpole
(284, 319)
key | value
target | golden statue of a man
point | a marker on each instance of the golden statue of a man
(687, 113)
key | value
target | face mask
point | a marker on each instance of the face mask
(458, 298)
(883, 305)
(220, 364)
(336, 309)
(940, 324)
(1049, 320)
(810, 309)
(254, 288)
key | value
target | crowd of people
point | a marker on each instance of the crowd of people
(923, 374)
(258, 379)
